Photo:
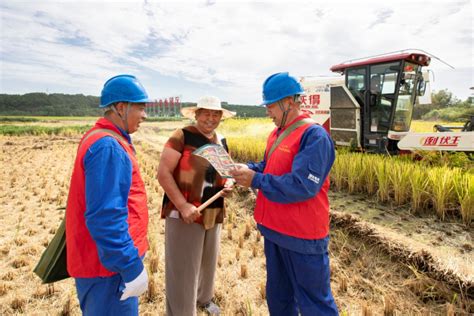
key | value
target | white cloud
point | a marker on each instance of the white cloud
(222, 47)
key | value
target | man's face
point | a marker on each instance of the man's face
(208, 120)
(274, 111)
(136, 115)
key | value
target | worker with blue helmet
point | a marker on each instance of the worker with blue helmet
(125, 89)
(279, 86)
(107, 213)
(292, 206)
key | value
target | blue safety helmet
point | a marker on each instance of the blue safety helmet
(123, 88)
(279, 86)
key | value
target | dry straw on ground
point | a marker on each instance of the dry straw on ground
(33, 188)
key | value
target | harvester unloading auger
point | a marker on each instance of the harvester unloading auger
(370, 107)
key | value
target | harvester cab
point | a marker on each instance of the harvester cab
(371, 107)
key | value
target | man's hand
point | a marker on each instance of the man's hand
(243, 175)
(240, 166)
(189, 213)
(136, 287)
(228, 187)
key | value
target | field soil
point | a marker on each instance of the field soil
(384, 260)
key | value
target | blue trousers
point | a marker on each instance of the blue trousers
(298, 282)
(101, 296)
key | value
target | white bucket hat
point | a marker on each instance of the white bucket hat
(208, 102)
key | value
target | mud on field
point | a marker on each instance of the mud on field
(368, 277)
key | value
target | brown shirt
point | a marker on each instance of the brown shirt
(195, 176)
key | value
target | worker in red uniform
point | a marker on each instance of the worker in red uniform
(107, 214)
(292, 207)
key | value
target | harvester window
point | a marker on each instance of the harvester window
(406, 98)
(383, 79)
(356, 84)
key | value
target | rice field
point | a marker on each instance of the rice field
(367, 278)
(442, 183)
(427, 126)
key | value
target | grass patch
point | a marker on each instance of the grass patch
(11, 118)
(164, 119)
(8, 119)
(15, 130)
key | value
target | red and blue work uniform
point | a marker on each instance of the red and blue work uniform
(292, 213)
(106, 221)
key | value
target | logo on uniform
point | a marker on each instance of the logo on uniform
(313, 178)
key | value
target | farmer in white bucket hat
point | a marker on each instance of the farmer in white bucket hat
(192, 238)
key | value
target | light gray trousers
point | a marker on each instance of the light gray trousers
(190, 265)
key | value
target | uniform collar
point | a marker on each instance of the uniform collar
(298, 118)
(105, 123)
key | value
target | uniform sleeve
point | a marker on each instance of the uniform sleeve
(309, 170)
(257, 166)
(108, 177)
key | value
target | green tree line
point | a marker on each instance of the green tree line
(446, 107)
(56, 104)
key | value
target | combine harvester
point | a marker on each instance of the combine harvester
(370, 108)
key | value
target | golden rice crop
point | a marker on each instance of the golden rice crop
(382, 171)
(368, 173)
(427, 126)
(441, 188)
(400, 179)
(259, 128)
(245, 149)
(354, 174)
(418, 186)
(338, 174)
(464, 188)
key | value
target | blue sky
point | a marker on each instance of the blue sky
(224, 48)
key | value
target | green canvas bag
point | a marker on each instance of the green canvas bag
(52, 266)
